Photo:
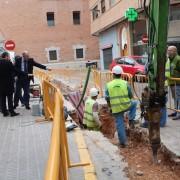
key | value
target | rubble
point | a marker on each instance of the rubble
(139, 173)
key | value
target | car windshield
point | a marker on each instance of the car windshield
(129, 61)
(142, 60)
(119, 61)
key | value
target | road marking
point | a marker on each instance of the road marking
(89, 171)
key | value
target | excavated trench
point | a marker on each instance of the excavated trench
(138, 155)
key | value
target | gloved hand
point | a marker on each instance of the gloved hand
(96, 118)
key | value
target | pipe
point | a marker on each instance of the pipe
(85, 86)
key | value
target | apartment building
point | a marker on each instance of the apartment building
(117, 36)
(51, 30)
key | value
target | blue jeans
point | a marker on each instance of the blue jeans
(163, 118)
(177, 98)
(132, 110)
(119, 117)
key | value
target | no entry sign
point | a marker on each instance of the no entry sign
(9, 45)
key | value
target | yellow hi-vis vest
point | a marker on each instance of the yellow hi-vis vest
(167, 71)
(88, 114)
(118, 94)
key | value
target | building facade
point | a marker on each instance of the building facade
(51, 30)
(117, 36)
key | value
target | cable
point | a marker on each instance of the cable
(85, 86)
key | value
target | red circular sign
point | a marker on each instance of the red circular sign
(145, 38)
(9, 45)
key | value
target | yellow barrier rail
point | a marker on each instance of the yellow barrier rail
(58, 161)
(97, 81)
(42, 75)
(101, 78)
(137, 82)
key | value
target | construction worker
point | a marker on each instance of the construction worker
(174, 59)
(91, 117)
(167, 73)
(118, 95)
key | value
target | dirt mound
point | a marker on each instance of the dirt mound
(140, 165)
(108, 122)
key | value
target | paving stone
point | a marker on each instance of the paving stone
(170, 136)
(107, 160)
(24, 147)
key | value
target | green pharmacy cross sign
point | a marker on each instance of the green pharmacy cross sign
(131, 14)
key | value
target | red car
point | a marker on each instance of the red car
(131, 64)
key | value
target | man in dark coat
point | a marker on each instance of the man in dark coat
(7, 72)
(0, 96)
(25, 64)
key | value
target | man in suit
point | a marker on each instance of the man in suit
(0, 97)
(25, 64)
(7, 72)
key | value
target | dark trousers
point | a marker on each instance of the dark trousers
(0, 104)
(25, 85)
(9, 97)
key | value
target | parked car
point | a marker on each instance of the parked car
(131, 64)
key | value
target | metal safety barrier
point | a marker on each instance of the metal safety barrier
(102, 78)
(173, 92)
(139, 82)
(97, 81)
(58, 161)
(42, 75)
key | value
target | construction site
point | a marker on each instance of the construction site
(97, 153)
(52, 140)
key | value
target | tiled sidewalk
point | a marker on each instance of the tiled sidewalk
(24, 147)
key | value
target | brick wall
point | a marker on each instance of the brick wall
(24, 21)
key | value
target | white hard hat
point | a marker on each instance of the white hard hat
(94, 92)
(117, 70)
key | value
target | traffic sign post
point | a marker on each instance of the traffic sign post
(145, 39)
(9, 45)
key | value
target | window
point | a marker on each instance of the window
(50, 19)
(103, 7)
(53, 55)
(79, 53)
(95, 12)
(76, 17)
(111, 2)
